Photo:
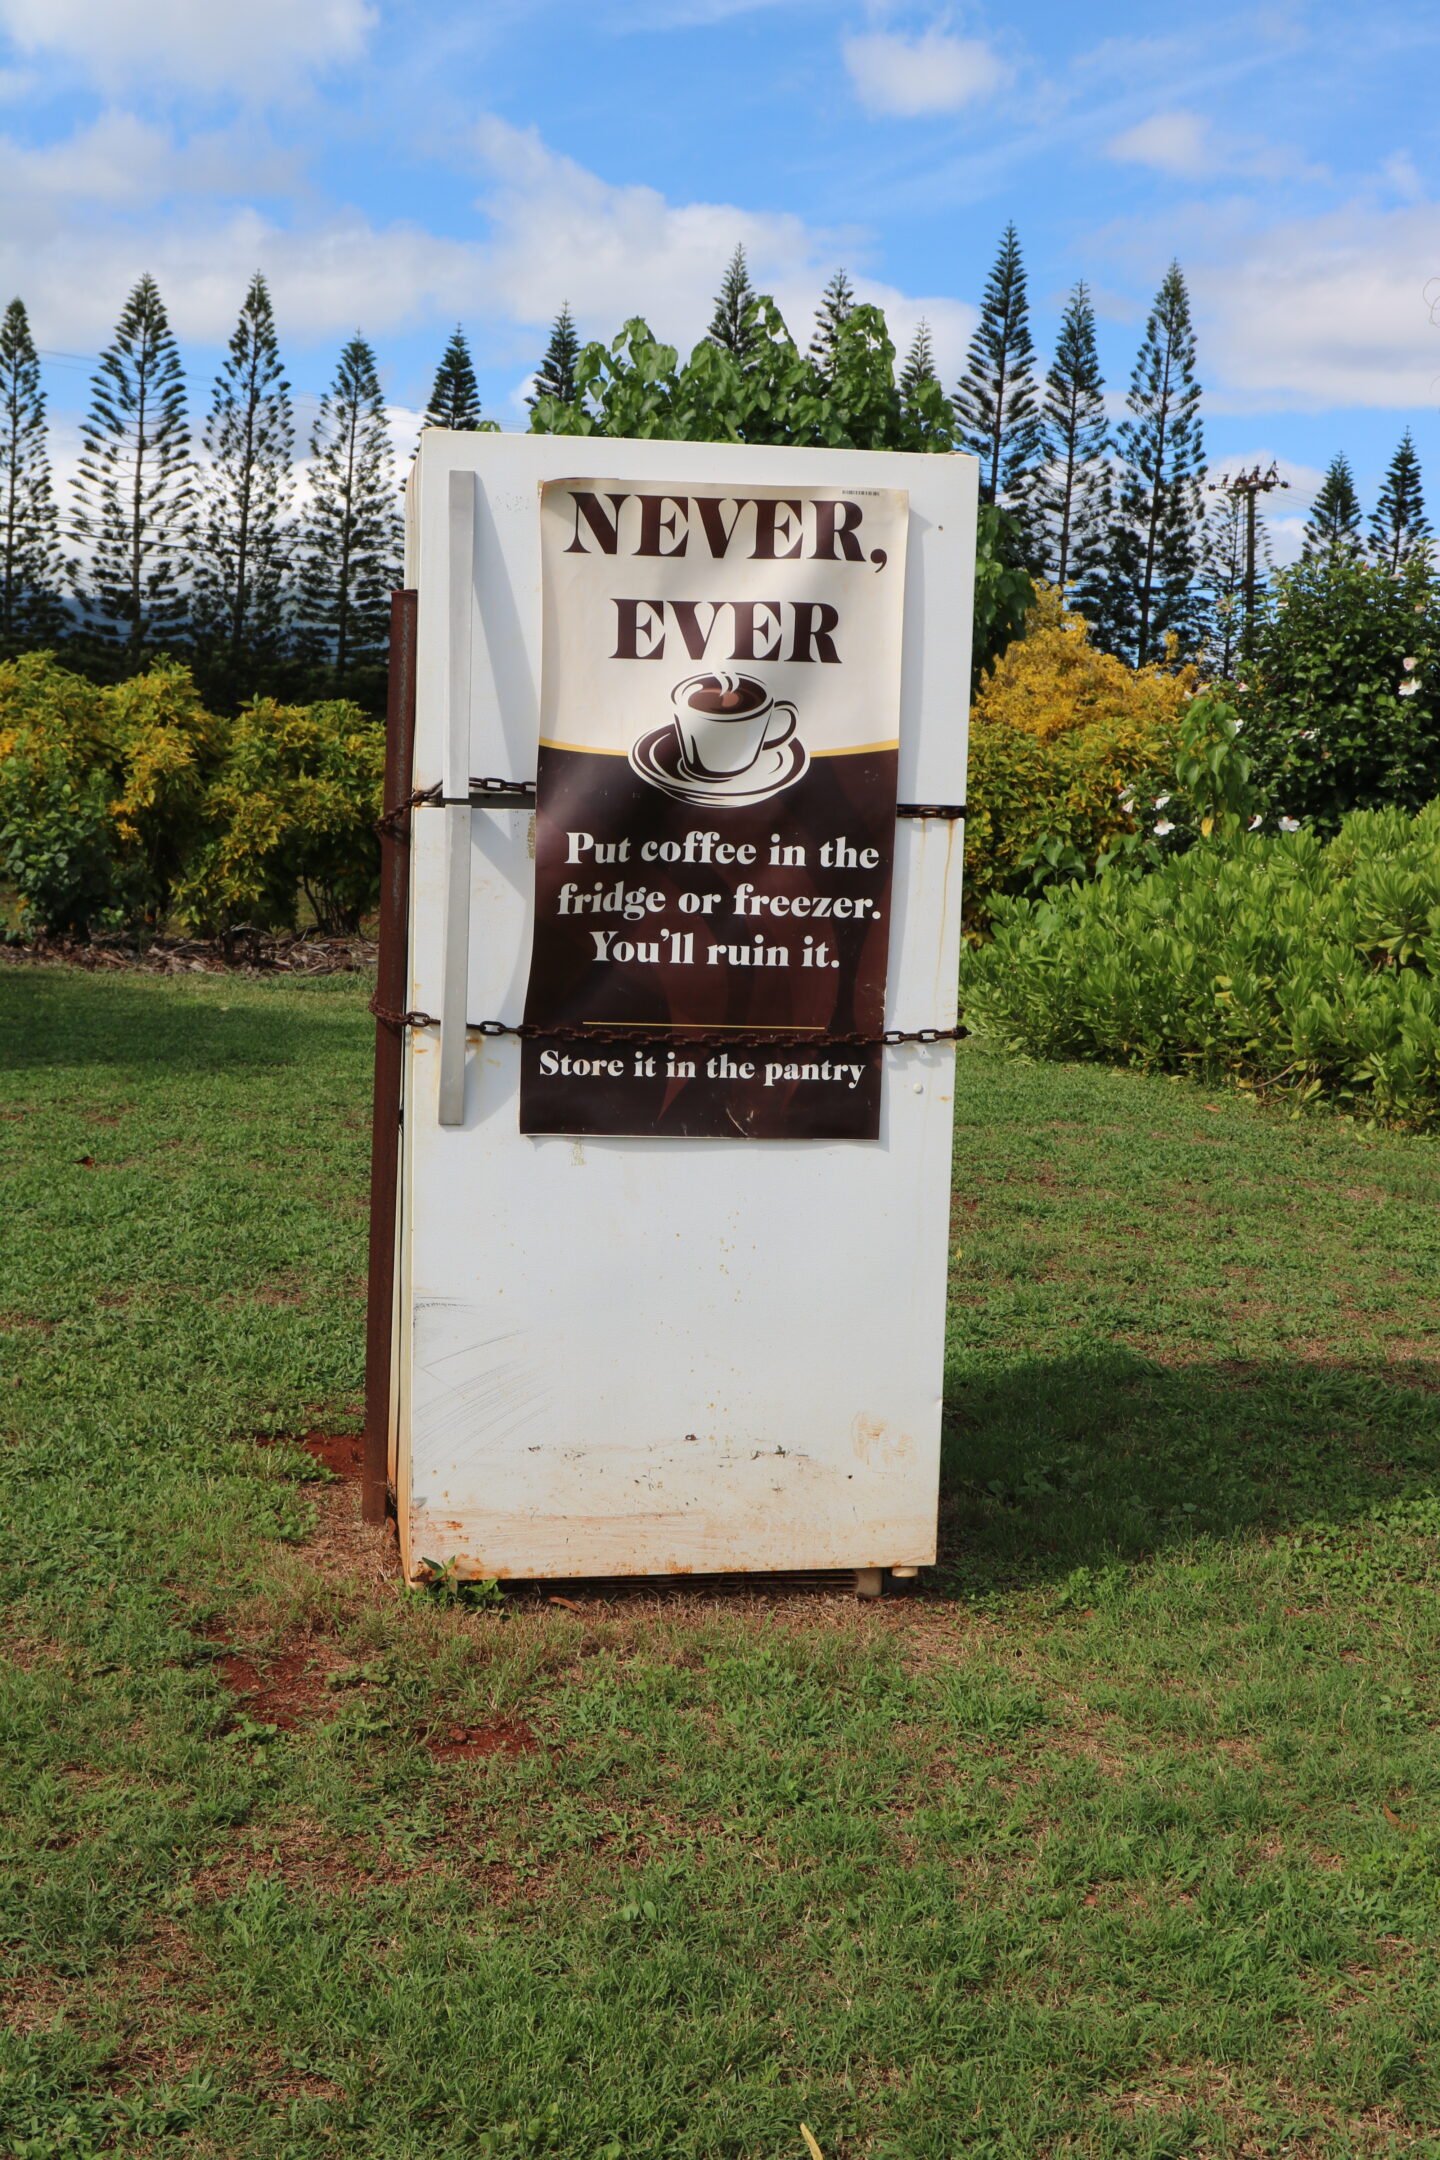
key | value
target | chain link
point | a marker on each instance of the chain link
(394, 824)
(520, 794)
(703, 1039)
(491, 786)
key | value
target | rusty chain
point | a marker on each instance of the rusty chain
(520, 794)
(394, 823)
(391, 824)
(703, 1039)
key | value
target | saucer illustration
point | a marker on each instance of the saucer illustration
(656, 758)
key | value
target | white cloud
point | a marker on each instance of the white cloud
(1400, 175)
(1324, 311)
(1173, 142)
(931, 73)
(559, 232)
(326, 280)
(1187, 146)
(87, 216)
(203, 44)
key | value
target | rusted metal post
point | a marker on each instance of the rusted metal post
(391, 988)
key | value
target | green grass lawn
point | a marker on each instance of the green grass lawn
(1121, 1837)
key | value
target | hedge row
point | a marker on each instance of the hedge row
(131, 806)
(1298, 966)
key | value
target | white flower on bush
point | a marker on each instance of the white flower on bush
(1256, 822)
(1289, 824)
(1408, 666)
(1161, 827)
(1160, 801)
(1307, 734)
(1408, 689)
(1127, 802)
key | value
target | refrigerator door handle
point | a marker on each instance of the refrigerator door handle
(455, 979)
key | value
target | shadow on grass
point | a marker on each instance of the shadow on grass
(1051, 1465)
(59, 1018)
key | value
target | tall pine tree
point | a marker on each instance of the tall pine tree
(919, 367)
(995, 404)
(1333, 526)
(241, 557)
(927, 418)
(555, 376)
(31, 611)
(455, 398)
(1071, 495)
(733, 326)
(350, 535)
(837, 301)
(1223, 567)
(1399, 529)
(136, 486)
(1155, 543)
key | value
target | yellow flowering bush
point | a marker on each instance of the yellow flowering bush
(100, 789)
(129, 804)
(291, 811)
(1068, 748)
(1054, 680)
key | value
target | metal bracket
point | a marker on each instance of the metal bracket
(455, 979)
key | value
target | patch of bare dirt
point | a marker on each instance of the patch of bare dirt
(342, 1454)
(460, 1743)
(344, 1549)
(286, 1689)
(29, 1653)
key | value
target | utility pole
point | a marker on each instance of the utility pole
(1249, 484)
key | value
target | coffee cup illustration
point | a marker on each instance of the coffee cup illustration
(724, 721)
(728, 744)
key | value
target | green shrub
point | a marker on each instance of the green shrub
(122, 805)
(1296, 965)
(1341, 698)
(100, 790)
(1074, 756)
(57, 841)
(1032, 800)
(291, 811)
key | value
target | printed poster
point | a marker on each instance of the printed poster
(715, 810)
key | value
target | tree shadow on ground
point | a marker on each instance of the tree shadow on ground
(141, 1025)
(1055, 1464)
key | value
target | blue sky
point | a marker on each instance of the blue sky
(398, 166)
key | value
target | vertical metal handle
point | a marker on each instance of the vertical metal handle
(460, 613)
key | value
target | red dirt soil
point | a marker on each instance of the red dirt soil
(461, 1741)
(287, 1690)
(342, 1453)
